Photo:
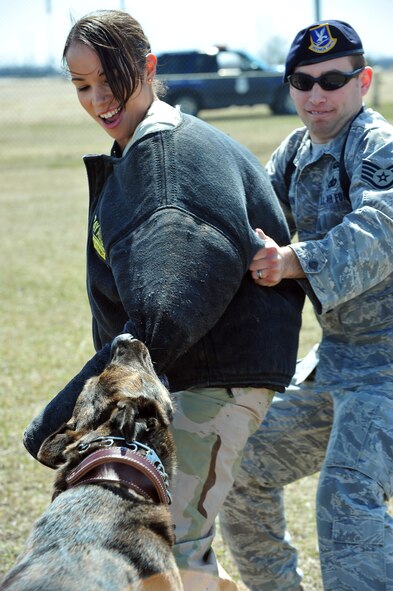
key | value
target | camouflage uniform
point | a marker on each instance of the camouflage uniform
(290, 444)
(200, 428)
(345, 249)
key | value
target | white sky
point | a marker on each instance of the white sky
(30, 34)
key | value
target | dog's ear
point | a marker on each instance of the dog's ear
(51, 452)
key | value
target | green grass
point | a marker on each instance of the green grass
(44, 315)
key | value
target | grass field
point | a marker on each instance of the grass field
(44, 316)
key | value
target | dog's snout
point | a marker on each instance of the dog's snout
(127, 349)
(121, 342)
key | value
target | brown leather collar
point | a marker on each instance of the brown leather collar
(122, 466)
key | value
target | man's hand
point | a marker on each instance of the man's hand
(272, 263)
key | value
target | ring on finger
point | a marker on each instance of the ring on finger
(260, 274)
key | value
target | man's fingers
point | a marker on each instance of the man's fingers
(260, 233)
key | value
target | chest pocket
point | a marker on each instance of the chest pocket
(318, 200)
(334, 204)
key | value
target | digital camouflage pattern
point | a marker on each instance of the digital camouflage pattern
(290, 443)
(345, 250)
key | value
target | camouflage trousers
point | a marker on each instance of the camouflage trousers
(211, 427)
(354, 453)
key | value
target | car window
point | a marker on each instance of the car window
(237, 60)
(186, 63)
(229, 60)
(205, 63)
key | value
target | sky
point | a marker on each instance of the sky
(33, 32)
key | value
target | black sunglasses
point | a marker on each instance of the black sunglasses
(328, 81)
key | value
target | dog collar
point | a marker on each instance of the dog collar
(144, 474)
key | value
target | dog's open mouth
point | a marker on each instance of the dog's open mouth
(119, 433)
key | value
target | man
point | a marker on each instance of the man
(335, 182)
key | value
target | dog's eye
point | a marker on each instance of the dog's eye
(151, 423)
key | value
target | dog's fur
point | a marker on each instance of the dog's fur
(105, 537)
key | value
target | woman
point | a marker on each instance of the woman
(170, 238)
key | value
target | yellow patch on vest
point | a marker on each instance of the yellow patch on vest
(97, 239)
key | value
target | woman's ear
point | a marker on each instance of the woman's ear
(151, 66)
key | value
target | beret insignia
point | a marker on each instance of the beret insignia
(321, 39)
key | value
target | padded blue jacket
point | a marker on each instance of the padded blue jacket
(170, 238)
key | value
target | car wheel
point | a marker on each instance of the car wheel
(188, 104)
(283, 104)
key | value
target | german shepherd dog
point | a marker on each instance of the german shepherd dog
(108, 527)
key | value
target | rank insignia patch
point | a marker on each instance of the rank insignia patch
(377, 177)
(97, 239)
(321, 39)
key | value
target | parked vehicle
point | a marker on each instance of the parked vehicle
(219, 78)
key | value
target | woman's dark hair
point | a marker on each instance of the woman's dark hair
(121, 45)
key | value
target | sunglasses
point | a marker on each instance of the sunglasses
(328, 81)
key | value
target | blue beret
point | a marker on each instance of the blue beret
(324, 40)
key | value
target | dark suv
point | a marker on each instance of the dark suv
(218, 78)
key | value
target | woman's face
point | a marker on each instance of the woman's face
(97, 99)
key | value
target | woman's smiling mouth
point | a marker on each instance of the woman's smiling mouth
(111, 117)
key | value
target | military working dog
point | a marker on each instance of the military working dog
(108, 527)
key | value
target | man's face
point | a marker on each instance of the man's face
(325, 112)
